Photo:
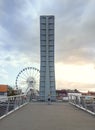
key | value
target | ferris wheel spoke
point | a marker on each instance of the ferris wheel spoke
(36, 87)
(22, 82)
(37, 83)
(24, 78)
(31, 72)
(38, 76)
(36, 73)
(27, 73)
(23, 73)
(28, 78)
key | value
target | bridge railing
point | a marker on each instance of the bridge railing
(12, 103)
(86, 103)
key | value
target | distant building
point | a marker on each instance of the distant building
(17, 91)
(89, 93)
(61, 93)
(47, 68)
(3, 90)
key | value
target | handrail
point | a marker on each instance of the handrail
(12, 103)
(86, 103)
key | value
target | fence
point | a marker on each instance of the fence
(12, 103)
(86, 103)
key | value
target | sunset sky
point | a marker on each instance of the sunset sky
(74, 40)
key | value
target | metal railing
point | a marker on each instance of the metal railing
(12, 103)
(86, 103)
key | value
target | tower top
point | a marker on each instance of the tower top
(47, 16)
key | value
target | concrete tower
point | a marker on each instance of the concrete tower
(47, 68)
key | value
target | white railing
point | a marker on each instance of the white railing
(86, 103)
(12, 103)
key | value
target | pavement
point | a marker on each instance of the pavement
(41, 116)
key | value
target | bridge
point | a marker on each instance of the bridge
(41, 116)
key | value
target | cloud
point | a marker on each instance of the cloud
(21, 27)
(20, 31)
(3, 74)
(82, 87)
(73, 38)
(16, 59)
(74, 28)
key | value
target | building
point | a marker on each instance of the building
(61, 93)
(47, 66)
(3, 90)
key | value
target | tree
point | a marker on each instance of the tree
(10, 91)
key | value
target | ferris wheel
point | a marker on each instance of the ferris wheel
(28, 79)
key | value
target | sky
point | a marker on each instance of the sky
(74, 40)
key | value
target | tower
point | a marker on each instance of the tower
(47, 66)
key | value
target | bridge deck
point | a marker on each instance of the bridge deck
(40, 116)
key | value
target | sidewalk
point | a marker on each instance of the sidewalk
(41, 116)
